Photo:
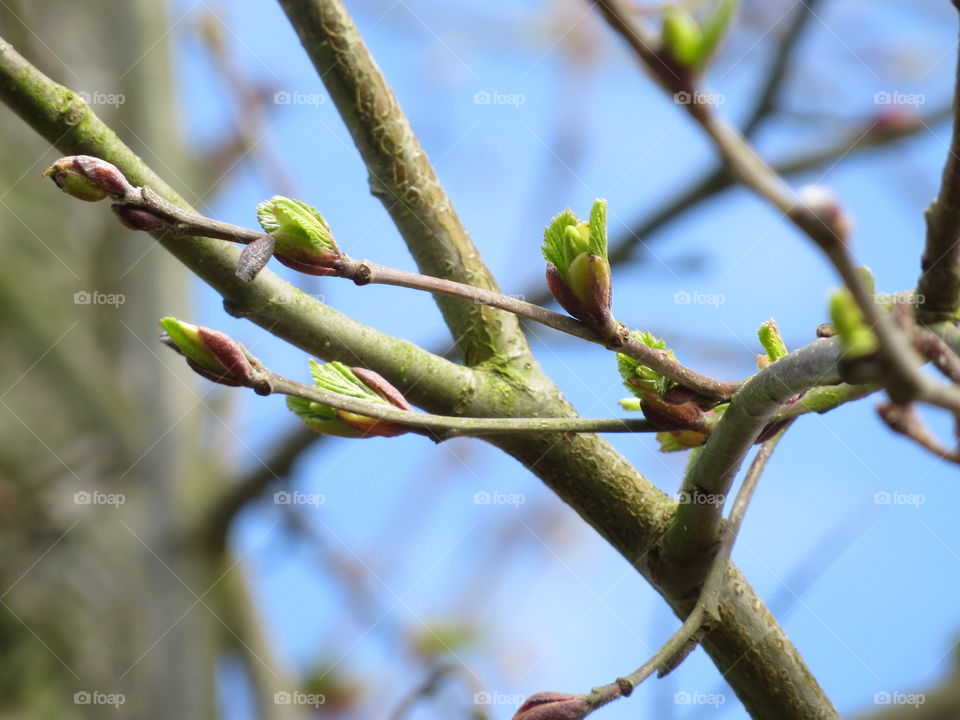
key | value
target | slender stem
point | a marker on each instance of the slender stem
(905, 420)
(363, 272)
(706, 610)
(906, 382)
(443, 427)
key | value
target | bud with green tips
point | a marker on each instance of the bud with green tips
(553, 706)
(212, 354)
(771, 341)
(303, 238)
(858, 339)
(690, 44)
(681, 35)
(578, 271)
(357, 383)
(88, 178)
(661, 404)
(639, 379)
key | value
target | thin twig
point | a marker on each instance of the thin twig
(824, 226)
(706, 610)
(443, 427)
(184, 223)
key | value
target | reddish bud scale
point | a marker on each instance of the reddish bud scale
(137, 218)
(667, 416)
(321, 266)
(592, 306)
(373, 426)
(376, 382)
(255, 257)
(228, 353)
(210, 375)
(553, 706)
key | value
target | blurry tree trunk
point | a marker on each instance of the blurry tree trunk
(111, 606)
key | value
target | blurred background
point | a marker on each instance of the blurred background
(177, 549)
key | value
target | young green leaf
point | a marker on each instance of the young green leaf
(771, 341)
(713, 30)
(639, 379)
(554, 244)
(682, 36)
(303, 238)
(857, 338)
(598, 229)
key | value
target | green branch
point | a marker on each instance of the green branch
(402, 177)
(61, 116)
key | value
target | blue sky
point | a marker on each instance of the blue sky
(562, 610)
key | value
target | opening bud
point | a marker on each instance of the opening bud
(357, 383)
(303, 238)
(578, 270)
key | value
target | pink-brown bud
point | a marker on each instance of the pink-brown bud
(553, 706)
(137, 218)
(88, 178)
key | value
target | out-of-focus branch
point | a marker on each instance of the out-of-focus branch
(245, 635)
(249, 119)
(939, 284)
(939, 702)
(431, 685)
(284, 454)
(766, 100)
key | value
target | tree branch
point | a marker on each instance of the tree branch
(185, 223)
(777, 69)
(939, 284)
(694, 534)
(707, 609)
(402, 178)
(749, 647)
(62, 117)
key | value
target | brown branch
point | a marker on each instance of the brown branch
(939, 283)
(185, 223)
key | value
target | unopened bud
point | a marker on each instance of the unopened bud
(858, 339)
(211, 353)
(553, 706)
(771, 341)
(137, 218)
(88, 178)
